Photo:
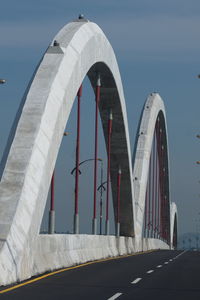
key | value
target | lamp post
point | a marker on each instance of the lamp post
(108, 171)
(97, 99)
(101, 189)
(198, 163)
(76, 169)
(76, 214)
(52, 207)
(82, 162)
(118, 202)
(51, 227)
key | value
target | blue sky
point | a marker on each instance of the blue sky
(157, 46)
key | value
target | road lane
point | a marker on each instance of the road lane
(177, 280)
(102, 280)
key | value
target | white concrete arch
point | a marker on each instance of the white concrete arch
(173, 219)
(152, 108)
(36, 135)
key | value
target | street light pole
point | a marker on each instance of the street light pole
(198, 162)
(108, 171)
(118, 202)
(76, 215)
(84, 161)
(101, 188)
(51, 227)
(76, 168)
(52, 207)
(97, 98)
(101, 198)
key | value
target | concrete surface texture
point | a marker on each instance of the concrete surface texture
(29, 159)
(153, 108)
(67, 250)
(173, 215)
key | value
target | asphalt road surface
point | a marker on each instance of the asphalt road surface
(156, 275)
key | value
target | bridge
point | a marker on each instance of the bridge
(145, 216)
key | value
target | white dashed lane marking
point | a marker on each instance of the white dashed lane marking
(150, 271)
(115, 296)
(136, 280)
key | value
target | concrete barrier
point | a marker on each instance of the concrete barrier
(58, 251)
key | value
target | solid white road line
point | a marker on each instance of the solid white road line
(159, 266)
(166, 263)
(150, 271)
(171, 260)
(115, 296)
(136, 280)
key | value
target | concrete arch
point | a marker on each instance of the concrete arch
(153, 108)
(35, 138)
(173, 224)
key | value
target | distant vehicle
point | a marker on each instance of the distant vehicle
(2, 81)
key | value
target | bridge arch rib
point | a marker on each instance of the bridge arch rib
(81, 49)
(174, 226)
(37, 132)
(152, 132)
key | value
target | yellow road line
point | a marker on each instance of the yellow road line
(67, 269)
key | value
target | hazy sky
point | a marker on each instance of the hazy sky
(157, 45)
